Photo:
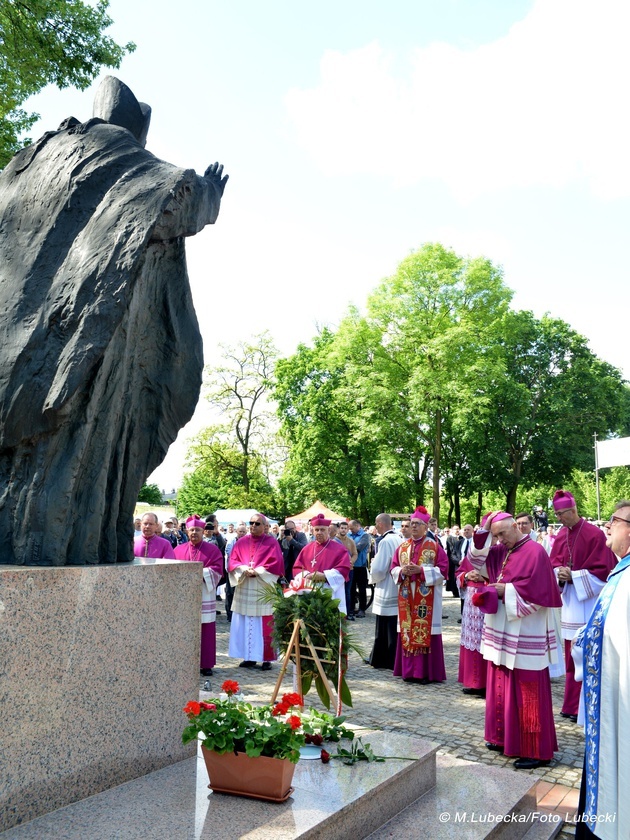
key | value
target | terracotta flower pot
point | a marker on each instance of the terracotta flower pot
(259, 778)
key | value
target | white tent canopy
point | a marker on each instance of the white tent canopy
(315, 508)
(235, 515)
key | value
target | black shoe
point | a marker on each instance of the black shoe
(478, 692)
(529, 763)
(205, 672)
(361, 614)
(459, 621)
(266, 666)
(424, 681)
(494, 747)
(350, 617)
(247, 663)
(569, 717)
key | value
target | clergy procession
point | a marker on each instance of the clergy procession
(536, 604)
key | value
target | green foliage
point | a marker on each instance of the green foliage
(549, 395)
(359, 751)
(442, 381)
(330, 728)
(366, 411)
(439, 383)
(151, 494)
(44, 42)
(235, 726)
(218, 480)
(323, 622)
(614, 485)
(233, 460)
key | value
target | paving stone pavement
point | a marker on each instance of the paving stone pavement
(439, 712)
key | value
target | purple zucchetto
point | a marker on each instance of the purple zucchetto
(420, 513)
(486, 598)
(320, 519)
(563, 500)
(501, 515)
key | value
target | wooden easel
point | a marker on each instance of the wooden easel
(293, 650)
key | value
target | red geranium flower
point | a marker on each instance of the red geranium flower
(230, 687)
(192, 708)
(325, 756)
(280, 709)
(294, 722)
(208, 706)
(292, 699)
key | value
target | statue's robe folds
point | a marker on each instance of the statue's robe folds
(101, 357)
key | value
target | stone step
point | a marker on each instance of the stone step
(331, 801)
(472, 802)
(441, 799)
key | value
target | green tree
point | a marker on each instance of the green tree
(215, 484)
(441, 380)
(151, 494)
(366, 410)
(44, 42)
(434, 315)
(548, 397)
(232, 461)
(317, 427)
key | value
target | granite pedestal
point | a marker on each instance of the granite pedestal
(330, 802)
(96, 664)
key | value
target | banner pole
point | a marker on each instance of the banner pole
(597, 477)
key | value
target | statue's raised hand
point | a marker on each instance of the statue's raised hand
(214, 174)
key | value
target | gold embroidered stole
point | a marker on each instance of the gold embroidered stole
(415, 601)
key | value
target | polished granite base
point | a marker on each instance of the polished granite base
(330, 801)
(469, 802)
(88, 656)
(474, 802)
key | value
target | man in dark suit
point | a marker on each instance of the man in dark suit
(453, 551)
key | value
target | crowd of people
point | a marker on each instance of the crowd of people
(527, 593)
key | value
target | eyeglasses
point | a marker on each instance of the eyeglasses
(255, 523)
(614, 519)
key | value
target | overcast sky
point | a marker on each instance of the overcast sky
(356, 130)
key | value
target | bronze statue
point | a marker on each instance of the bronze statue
(100, 350)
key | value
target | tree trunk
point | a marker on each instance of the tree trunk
(421, 481)
(478, 513)
(437, 451)
(510, 501)
(245, 472)
(458, 512)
